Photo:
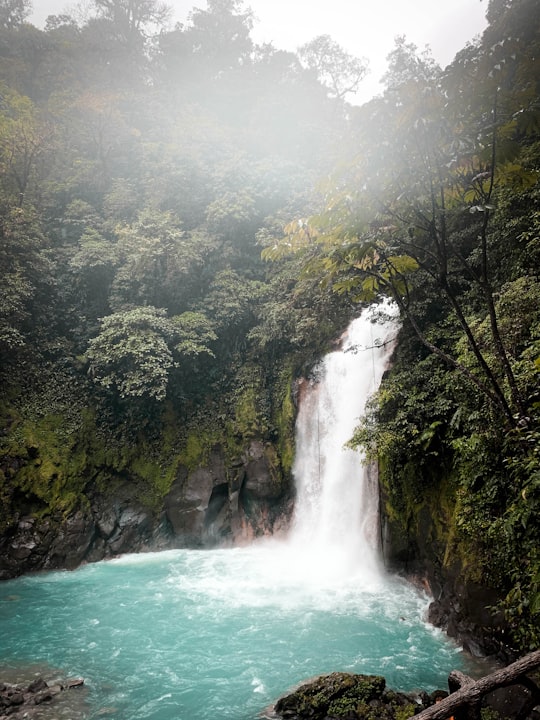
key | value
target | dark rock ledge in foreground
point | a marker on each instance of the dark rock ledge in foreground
(510, 693)
(345, 695)
(17, 701)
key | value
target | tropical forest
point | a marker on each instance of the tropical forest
(189, 223)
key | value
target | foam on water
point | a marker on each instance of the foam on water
(189, 634)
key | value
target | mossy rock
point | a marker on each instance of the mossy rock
(346, 695)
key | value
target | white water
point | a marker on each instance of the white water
(337, 508)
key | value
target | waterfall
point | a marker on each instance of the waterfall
(336, 517)
(224, 632)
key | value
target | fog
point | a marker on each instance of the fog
(362, 28)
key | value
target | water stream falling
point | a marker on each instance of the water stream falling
(336, 511)
(200, 635)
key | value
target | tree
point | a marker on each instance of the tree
(14, 12)
(25, 141)
(131, 354)
(339, 71)
(131, 19)
(203, 57)
(231, 301)
(159, 264)
(220, 35)
(193, 333)
(25, 271)
(135, 350)
(99, 140)
(407, 67)
(92, 268)
(409, 218)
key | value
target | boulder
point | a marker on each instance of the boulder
(347, 695)
(17, 701)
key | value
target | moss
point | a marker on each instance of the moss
(286, 432)
(275, 467)
(156, 478)
(489, 714)
(346, 695)
(196, 448)
(48, 464)
(335, 695)
(246, 414)
(406, 711)
(421, 507)
(284, 418)
(439, 502)
(250, 415)
(55, 448)
(50, 469)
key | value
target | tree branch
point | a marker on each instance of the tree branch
(470, 692)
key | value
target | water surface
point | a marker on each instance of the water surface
(200, 635)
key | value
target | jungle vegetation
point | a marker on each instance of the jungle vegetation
(187, 219)
(436, 208)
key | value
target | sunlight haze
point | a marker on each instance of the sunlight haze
(365, 29)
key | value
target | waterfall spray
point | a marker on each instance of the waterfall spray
(336, 510)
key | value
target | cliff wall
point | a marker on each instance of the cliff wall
(213, 503)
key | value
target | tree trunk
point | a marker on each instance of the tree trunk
(466, 694)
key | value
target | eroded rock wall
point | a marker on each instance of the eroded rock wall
(217, 503)
(421, 546)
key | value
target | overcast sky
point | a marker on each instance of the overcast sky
(364, 28)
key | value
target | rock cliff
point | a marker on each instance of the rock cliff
(215, 503)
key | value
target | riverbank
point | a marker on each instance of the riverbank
(23, 700)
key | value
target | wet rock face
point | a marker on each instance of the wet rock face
(512, 702)
(110, 526)
(187, 502)
(223, 502)
(215, 504)
(18, 701)
(461, 607)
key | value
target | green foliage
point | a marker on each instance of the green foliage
(131, 354)
(28, 143)
(518, 313)
(435, 206)
(231, 300)
(140, 167)
(193, 332)
(153, 255)
(400, 219)
(25, 272)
